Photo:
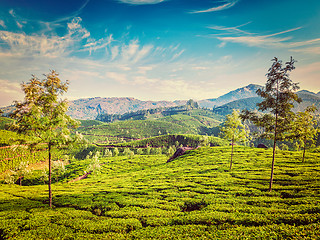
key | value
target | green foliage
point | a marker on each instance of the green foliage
(194, 197)
(234, 130)
(195, 121)
(128, 153)
(5, 122)
(42, 115)
(115, 152)
(10, 157)
(278, 98)
(192, 105)
(58, 169)
(107, 153)
(94, 166)
(139, 151)
(176, 140)
(171, 151)
(304, 128)
(8, 138)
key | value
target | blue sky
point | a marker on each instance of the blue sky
(156, 49)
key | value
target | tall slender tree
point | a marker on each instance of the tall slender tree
(233, 130)
(42, 115)
(278, 98)
(304, 128)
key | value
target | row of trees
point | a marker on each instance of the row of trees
(279, 123)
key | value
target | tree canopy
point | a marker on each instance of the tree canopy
(233, 130)
(303, 128)
(42, 114)
(278, 99)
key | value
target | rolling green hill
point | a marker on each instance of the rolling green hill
(193, 197)
(122, 131)
(196, 121)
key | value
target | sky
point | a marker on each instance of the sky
(156, 49)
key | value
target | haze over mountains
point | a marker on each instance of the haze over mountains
(241, 98)
(90, 108)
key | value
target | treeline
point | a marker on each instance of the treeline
(187, 140)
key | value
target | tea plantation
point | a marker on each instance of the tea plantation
(193, 197)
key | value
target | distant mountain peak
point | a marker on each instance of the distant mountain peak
(239, 93)
(308, 92)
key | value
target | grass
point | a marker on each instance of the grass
(193, 197)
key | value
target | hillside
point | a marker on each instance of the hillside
(308, 98)
(137, 125)
(193, 197)
(123, 131)
(90, 108)
(166, 141)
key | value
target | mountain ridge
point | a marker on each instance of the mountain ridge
(308, 98)
(239, 93)
(90, 108)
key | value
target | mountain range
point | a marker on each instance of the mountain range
(241, 98)
(308, 98)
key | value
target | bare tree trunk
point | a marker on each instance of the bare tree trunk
(231, 152)
(304, 149)
(49, 182)
(274, 153)
(272, 168)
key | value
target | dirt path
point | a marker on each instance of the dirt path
(80, 178)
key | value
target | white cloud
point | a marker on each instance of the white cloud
(268, 41)
(230, 29)
(2, 24)
(307, 75)
(12, 13)
(257, 41)
(21, 44)
(119, 77)
(114, 52)
(225, 6)
(199, 68)
(308, 50)
(9, 87)
(9, 91)
(141, 2)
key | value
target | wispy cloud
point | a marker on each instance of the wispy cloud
(77, 39)
(141, 2)
(227, 30)
(9, 89)
(228, 4)
(2, 24)
(273, 40)
(257, 41)
(308, 50)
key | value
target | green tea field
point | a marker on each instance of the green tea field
(195, 196)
